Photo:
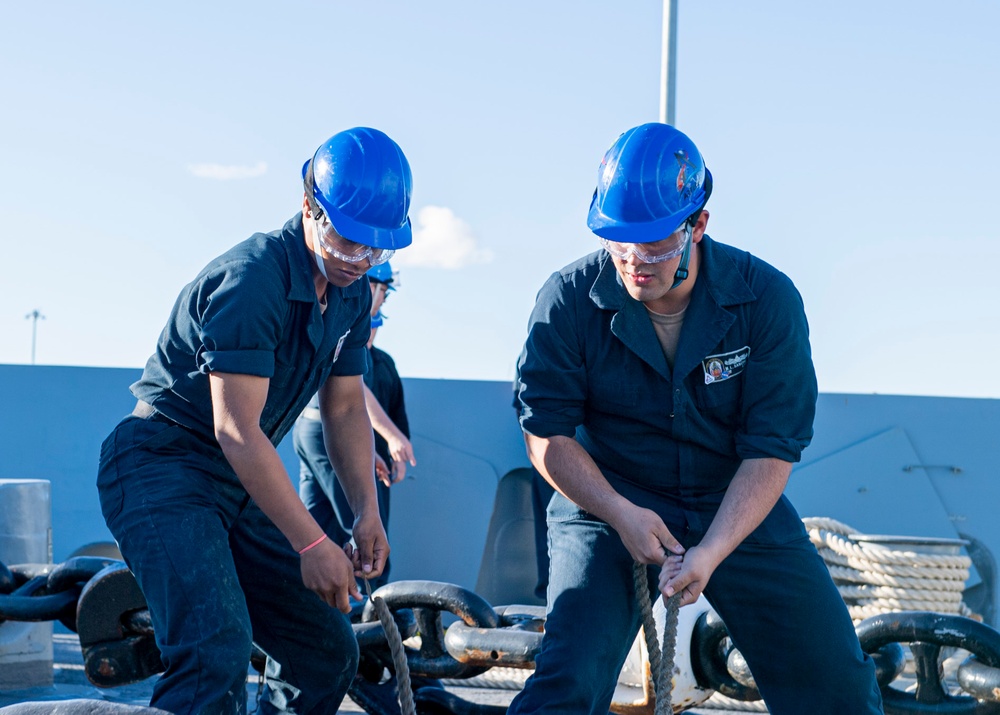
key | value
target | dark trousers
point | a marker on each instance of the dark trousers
(774, 593)
(321, 492)
(217, 575)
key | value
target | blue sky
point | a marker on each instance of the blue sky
(854, 145)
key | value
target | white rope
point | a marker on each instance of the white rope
(718, 701)
(838, 542)
(889, 592)
(942, 579)
(875, 579)
(496, 678)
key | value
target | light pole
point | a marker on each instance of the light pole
(668, 63)
(34, 316)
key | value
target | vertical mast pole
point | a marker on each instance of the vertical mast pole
(668, 63)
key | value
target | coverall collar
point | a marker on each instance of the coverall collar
(718, 285)
(301, 286)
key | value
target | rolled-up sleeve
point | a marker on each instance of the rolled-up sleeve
(242, 309)
(552, 380)
(243, 362)
(780, 391)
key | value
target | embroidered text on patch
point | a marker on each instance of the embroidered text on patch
(725, 365)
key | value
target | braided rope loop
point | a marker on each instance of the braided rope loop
(874, 578)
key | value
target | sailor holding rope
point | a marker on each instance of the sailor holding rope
(666, 388)
(191, 484)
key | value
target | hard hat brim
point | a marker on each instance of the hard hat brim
(374, 236)
(627, 232)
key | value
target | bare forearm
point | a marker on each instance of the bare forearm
(237, 401)
(381, 422)
(347, 434)
(400, 448)
(263, 475)
(572, 472)
(751, 495)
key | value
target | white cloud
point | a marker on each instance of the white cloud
(442, 240)
(222, 172)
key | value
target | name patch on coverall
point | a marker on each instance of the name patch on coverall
(725, 365)
(340, 344)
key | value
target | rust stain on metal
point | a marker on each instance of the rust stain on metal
(478, 655)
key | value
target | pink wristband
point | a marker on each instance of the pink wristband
(318, 541)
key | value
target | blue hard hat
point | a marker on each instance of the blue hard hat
(361, 180)
(377, 320)
(382, 273)
(651, 180)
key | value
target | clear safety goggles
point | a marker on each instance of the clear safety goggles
(653, 252)
(346, 250)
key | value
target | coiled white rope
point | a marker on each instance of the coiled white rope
(718, 701)
(874, 579)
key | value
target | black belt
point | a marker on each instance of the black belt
(209, 447)
(146, 411)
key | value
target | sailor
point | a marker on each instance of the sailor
(666, 389)
(319, 488)
(191, 485)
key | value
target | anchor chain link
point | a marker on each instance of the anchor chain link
(98, 598)
(46, 592)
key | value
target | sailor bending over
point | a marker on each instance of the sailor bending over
(666, 388)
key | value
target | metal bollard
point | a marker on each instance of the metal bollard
(25, 538)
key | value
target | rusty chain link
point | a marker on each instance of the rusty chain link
(98, 598)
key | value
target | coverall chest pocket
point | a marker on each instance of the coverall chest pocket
(718, 394)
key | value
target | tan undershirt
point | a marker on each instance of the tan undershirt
(668, 331)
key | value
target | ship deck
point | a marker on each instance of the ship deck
(70, 683)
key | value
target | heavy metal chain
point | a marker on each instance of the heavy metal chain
(46, 592)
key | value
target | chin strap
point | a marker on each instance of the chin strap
(317, 214)
(316, 252)
(682, 267)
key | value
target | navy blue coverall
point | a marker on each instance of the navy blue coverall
(742, 386)
(216, 572)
